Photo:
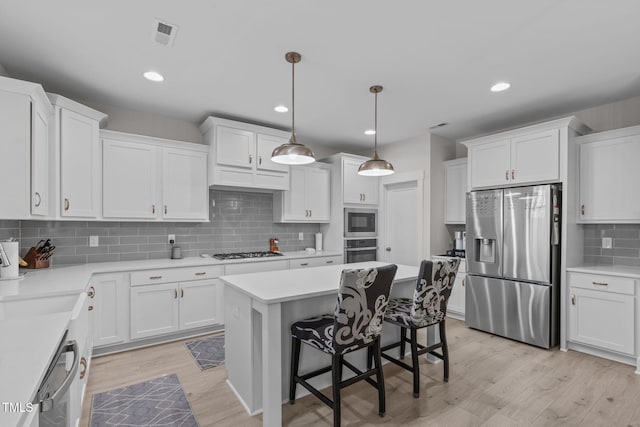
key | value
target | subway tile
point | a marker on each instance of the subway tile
(92, 231)
(111, 240)
(635, 262)
(87, 250)
(156, 247)
(124, 231)
(627, 253)
(626, 233)
(120, 249)
(137, 256)
(104, 258)
(626, 243)
(68, 259)
(125, 240)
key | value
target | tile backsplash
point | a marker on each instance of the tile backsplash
(624, 251)
(240, 221)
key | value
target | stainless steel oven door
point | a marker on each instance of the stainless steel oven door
(360, 222)
(360, 255)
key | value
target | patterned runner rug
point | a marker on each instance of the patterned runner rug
(208, 352)
(158, 402)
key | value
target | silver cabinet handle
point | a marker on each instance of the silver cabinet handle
(573, 299)
(175, 294)
(39, 200)
(329, 262)
(165, 209)
(259, 160)
(506, 175)
(310, 212)
(364, 197)
(182, 293)
(600, 283)
(67, 204)
(153, 209)
(388, 249)
(250, 158)
(513, 174)
(303, 264)
(155, 277)
(582, 209)
(92, 292)
(201, 273)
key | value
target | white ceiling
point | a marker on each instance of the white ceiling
(435, 59)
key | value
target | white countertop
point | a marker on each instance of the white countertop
(28, 344)
(280, 286)
(608, 270)
(74, 279)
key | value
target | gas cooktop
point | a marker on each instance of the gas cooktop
(241, 255)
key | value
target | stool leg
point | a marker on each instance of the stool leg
(445, 350)
(369, 357)
(403, 335)
(414, 362)
(295, 361)
(379, 378)
(336, 362)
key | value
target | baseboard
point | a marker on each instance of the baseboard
(242, 402)
(627, 360)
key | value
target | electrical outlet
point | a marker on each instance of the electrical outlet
(607, 242)
(171, 238)
(93, 241)
(300, 236)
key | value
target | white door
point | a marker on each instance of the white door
(535, 157)
(154, 310)
(265, 146)
(110, 308)
(402, 222)
(198, 303)
(39, 161)
(130, 176)
(79, 165)
(318, 193)
(235, 147)
(489, 164)
(185, 193)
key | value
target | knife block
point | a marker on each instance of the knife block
(33, 261)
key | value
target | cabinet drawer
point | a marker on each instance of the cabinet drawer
(169, 275)
(315, 262)
(600, 282)
(256, 267)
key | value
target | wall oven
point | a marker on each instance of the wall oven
(360, 250)
(360, 222)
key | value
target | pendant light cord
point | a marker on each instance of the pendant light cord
(375, 138)
(293, 103)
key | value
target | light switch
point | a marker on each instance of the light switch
(607, 242)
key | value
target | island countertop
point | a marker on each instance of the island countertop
(288, 285)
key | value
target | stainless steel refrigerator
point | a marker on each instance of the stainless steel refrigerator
(513, 263)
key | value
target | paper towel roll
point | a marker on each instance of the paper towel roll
(11, 249)
(318, 241)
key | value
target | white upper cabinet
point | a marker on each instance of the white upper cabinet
(154, 179)
(609, 176)
(529, 155)
(129, 172)
(358, 189)
(455, 189)
(25, 114)
(240, 155)
(185, 192)
(308, 198)
(77, 135)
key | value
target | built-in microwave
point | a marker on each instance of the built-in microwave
(360, 222)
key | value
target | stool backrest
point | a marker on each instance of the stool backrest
(433, 289)
(362, 301)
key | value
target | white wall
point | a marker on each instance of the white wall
(3, 72)
(615, 115)
(441, 149)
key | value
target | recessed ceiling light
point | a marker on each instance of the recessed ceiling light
(500, 86)
(154, 76)
(369, 132)
(281, 109)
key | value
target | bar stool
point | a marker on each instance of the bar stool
(356, 324)
(428, 307)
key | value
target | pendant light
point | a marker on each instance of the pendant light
(375, 166)
(293, 153)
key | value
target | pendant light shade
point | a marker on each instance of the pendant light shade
(293, 153)
(375, 166)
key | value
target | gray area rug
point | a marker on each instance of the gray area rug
(158, 402)
(208, 352)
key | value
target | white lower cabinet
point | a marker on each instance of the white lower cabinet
(315, 261)
(172, 307)
(455, 305)
(110, 303)
(81, 330)
(602, 312)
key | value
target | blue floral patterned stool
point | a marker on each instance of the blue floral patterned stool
(356, 324)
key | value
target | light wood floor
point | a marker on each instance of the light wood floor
(493, 382)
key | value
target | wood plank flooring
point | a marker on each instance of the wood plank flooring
(493, 382)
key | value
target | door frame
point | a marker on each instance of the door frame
(416, 176)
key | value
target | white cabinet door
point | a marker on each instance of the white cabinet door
(154, 310)
(358, 189)
(15, 148)
(295, 199)
(185, 192)
(455, 189)
(535, 157)
(40, 153)
(456, 299)
(130, 177)
(110, 308)
(265, 145)
(489, 164)
(609, 176)
(603, 319)
(318, 193)
(235, 147)
(79, 165)
(199, 303)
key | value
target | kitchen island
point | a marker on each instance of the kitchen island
(259, 311)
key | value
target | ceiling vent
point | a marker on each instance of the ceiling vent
(439, 125)
(164, 33)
